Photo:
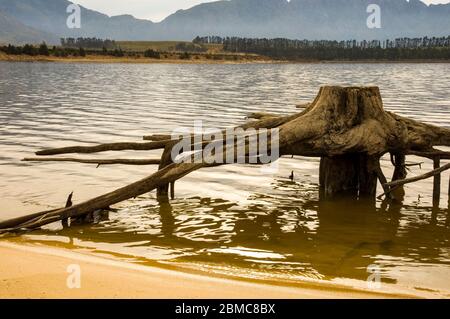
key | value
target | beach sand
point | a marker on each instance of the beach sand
(42, 272)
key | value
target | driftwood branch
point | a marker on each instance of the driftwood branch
(261, 115)
(431, 154)
(105, 148)
(419, 177)
(383, 181)
(96, 161)
(157, 137)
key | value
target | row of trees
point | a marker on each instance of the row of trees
(44, 50)
(404, 43)
(398, 49)
(88, 43)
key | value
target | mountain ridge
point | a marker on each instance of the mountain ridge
(296, 19)
(13, 31)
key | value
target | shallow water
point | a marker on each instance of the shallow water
(233, 220)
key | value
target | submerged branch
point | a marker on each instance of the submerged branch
(418, 178)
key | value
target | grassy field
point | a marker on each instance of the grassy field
(163, 46)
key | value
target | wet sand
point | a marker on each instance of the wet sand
(42, 272)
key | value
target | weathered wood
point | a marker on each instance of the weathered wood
(338, 177)
(448, 198)
(383, 181)
(157, 137)
(436, 182)
(431, 154)
(65, 222)
(96, 161)
(351, 175)
(162, 192)
(169, 174)
(172, 190)
(419, 177)
(338, 124)
(261, 115)
(400, 172)
(104, 148)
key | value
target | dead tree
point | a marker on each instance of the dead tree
(346, 127)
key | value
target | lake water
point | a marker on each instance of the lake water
(232, 220)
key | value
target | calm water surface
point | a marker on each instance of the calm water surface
(231, 220)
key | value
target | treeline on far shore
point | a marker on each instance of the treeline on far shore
(58, 51)
(81, 47)
(76, 52)
(426, 48)
(55, 51)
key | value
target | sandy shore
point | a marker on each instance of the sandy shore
(42, 272)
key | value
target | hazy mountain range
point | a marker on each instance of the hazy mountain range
(45, 20)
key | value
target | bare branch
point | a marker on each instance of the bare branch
(104, 148)
(96, 161)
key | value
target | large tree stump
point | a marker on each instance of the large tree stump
(345, 126)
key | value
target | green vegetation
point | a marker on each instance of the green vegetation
(152, 54)
(82, 47)
(43, 50)
(285, 49)
(89, 43)
(163, 46)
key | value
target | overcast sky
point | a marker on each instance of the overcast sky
(155, 10)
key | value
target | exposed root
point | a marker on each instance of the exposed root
(339, 122)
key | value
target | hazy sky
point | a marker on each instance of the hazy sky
(154, 10)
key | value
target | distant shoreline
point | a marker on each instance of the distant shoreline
(243, 60)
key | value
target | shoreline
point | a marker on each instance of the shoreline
(142, 60)
(31, 271)
(130, 60)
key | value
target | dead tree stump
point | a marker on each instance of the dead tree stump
(346, 127)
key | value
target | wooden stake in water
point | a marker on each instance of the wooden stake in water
(437, 182)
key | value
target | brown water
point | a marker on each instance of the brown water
(231, 220)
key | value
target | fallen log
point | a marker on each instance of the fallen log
(95, 161)
(162, 177)
(11, 223)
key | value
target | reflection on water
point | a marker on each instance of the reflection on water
(228, 220)
(288, 233)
